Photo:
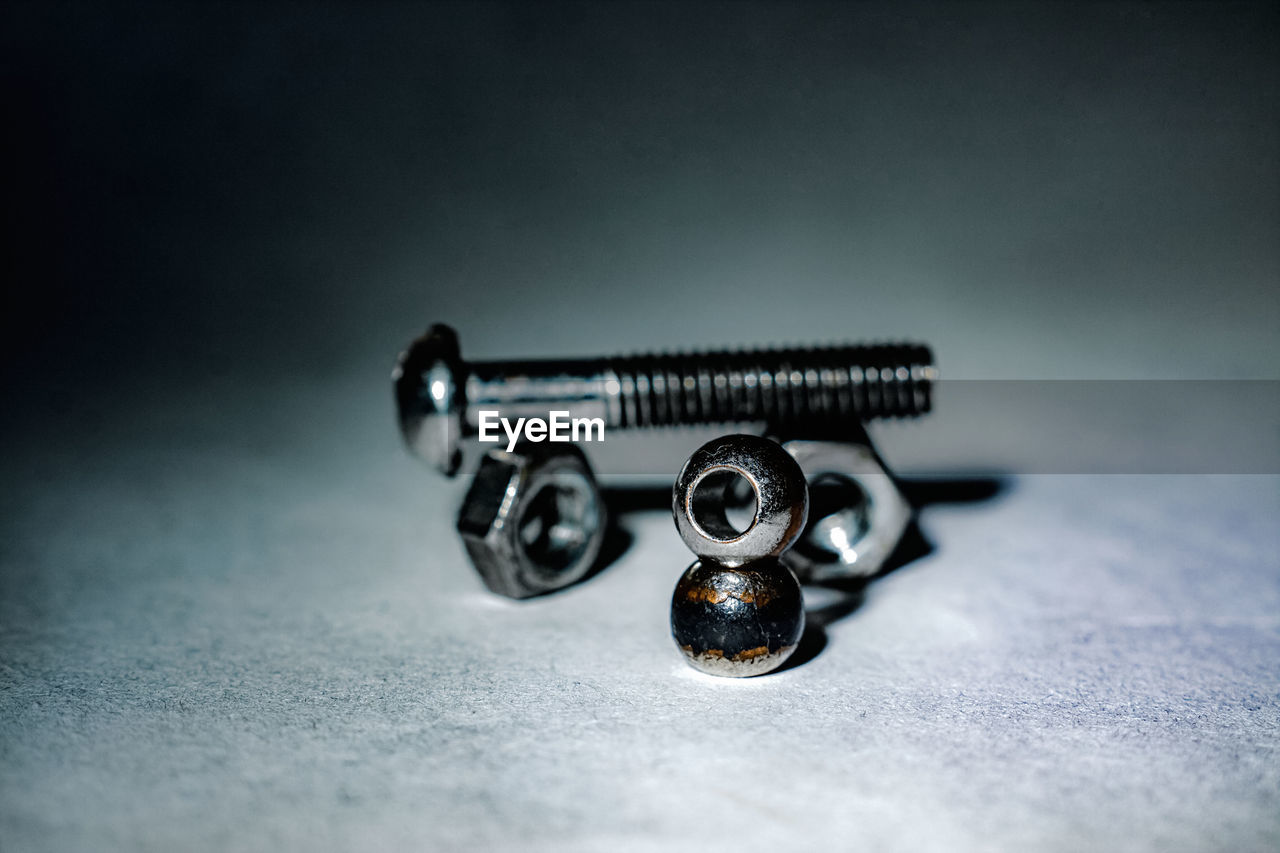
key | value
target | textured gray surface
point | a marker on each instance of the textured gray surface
(234, 616)
(245, 636)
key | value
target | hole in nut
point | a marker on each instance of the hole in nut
(723, 504)
(839, 517)
(558, 522)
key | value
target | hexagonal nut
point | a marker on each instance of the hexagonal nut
(857, 514)
(533, 520)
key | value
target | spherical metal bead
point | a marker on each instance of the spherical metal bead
(737, 620)
(775, 478)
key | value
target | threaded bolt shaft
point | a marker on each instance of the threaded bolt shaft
(778, 386)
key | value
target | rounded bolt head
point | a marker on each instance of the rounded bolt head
(429, 398)
(737, 620)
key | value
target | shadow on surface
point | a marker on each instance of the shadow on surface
(844, 598)
(617, 541)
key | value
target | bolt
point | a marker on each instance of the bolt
(439, 395)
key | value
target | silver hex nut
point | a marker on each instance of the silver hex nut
(533, 520)
(857, 514)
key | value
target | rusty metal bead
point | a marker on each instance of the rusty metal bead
(737, 620)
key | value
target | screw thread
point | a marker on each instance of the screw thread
(779, 386)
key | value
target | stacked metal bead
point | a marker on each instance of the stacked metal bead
(738, 611)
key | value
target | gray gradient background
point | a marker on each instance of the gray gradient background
(233, 614)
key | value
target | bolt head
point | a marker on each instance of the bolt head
(429, 398)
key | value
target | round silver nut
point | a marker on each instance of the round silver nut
(533, 520)
(781, 497)
(853, 537)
